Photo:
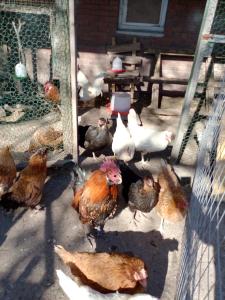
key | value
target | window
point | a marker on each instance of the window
(142, 17)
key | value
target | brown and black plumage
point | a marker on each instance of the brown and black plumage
(98, 137)
(143, 195)
(27, 190)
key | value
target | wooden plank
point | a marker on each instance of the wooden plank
(124, 48)
(73, 76)
(155, 87)
(155, 79)
(37, 10)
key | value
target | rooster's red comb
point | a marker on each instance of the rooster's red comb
(109, 165)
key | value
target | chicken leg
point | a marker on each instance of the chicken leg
(161, 228)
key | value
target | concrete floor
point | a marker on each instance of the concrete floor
(27, 259)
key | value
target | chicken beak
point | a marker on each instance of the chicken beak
(144, 282)
(119, 180)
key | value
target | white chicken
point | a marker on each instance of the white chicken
(88, 91)
(147, 139)
(75, 290)
(122, 146)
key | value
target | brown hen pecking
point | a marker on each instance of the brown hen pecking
(106, 272)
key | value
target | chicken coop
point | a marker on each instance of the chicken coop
(35, 54)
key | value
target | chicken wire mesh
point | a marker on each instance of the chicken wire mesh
(202, 269)
(34, 49)
(210, 70)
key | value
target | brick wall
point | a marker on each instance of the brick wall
(97, 23)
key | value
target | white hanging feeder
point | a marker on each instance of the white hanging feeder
(20, 68)
(20, 71)
(117, 65)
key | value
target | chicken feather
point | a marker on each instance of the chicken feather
(122, 146)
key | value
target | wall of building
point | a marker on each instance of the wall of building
(97, 23)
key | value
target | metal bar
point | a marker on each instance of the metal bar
(203, 48)
(214, 38)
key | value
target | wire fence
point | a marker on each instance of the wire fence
(35, 49)
(210, 67)
(202, 269)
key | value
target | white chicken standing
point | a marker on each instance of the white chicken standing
(147, 139)
(75, 290)
(122, 146)
(88, 91)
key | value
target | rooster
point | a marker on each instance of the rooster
(147, 140)
(172, 204)
(7, 170)
(97, 138)
(106, 272)
(27, 190)
(123, 146)
(95, 198)
(74, 289)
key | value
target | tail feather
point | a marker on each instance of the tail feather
(169, 172)
(79, 177)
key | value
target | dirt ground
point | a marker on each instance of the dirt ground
(27, 259)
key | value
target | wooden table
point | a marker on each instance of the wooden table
(131, 78)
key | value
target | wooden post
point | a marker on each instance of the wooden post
(73, 59)
(155, 86)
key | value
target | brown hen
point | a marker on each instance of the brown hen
(7, 170)
(27, 190)
(106, 272)
(172, 203)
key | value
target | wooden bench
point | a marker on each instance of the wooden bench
(157, 80)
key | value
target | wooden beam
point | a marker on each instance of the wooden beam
(155, 79)
(37, 10)
(73, 75)
(124, 48)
